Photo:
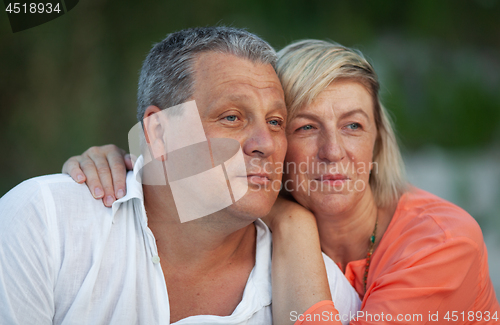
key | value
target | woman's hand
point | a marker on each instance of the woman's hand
(104, 169)
(287, 212)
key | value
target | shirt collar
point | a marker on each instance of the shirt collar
(134, 186)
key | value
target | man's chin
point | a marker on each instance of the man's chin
(254, 205)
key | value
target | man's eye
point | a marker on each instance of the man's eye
(275, 122)
(231, 118)
(305, 127)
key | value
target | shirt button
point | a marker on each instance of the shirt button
(156, 259)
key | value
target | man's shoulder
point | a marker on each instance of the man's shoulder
(33, 185)
(58, 187)
(46, 197)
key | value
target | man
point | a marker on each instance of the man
(65, 258)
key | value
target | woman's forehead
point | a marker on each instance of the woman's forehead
(338, 99)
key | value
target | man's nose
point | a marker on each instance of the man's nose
(260, 141)
(331, 147)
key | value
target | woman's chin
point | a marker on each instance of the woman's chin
(325, 202)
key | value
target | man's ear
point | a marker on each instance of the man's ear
(154, 131)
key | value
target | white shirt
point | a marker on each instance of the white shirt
(67, 259)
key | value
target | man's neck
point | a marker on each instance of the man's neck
(204, 243)
(206, 262)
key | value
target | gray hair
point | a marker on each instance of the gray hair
(167, 73)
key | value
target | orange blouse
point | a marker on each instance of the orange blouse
(431, 266)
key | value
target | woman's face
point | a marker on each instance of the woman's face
(330, 149)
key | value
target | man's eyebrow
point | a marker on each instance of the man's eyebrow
(279, 105)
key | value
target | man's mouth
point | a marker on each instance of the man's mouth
(258, 178)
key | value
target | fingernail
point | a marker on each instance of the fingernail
(109, 200)
(98, 193)
(120, 194)
(80, 178)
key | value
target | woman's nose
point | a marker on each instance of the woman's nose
(331, 148)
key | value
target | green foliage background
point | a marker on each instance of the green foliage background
(71, 83)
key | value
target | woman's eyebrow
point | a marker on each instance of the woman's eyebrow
(311, 116)
(306, 115)
(353, 112)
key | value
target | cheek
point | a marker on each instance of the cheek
(299, 159)
(361, 155)
(296, 154)
(281, 148)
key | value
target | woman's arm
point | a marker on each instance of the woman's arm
(299, 276)
(104, 169)
(298, 270)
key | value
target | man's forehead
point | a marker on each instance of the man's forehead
(228, 78)
(214, 69)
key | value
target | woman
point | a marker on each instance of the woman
(411, 256)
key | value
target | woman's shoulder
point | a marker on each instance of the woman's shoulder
(427, 215)
(432, 248)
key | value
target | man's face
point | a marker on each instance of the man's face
(244, 101)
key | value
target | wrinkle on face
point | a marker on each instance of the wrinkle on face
(227, 85)
(332, 141)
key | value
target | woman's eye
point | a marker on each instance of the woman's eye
(230, 118)
(354, 126)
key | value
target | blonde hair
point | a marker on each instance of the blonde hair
(308, 67)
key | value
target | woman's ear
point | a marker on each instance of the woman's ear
(154, 131)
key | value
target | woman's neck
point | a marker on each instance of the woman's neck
(345, 236)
